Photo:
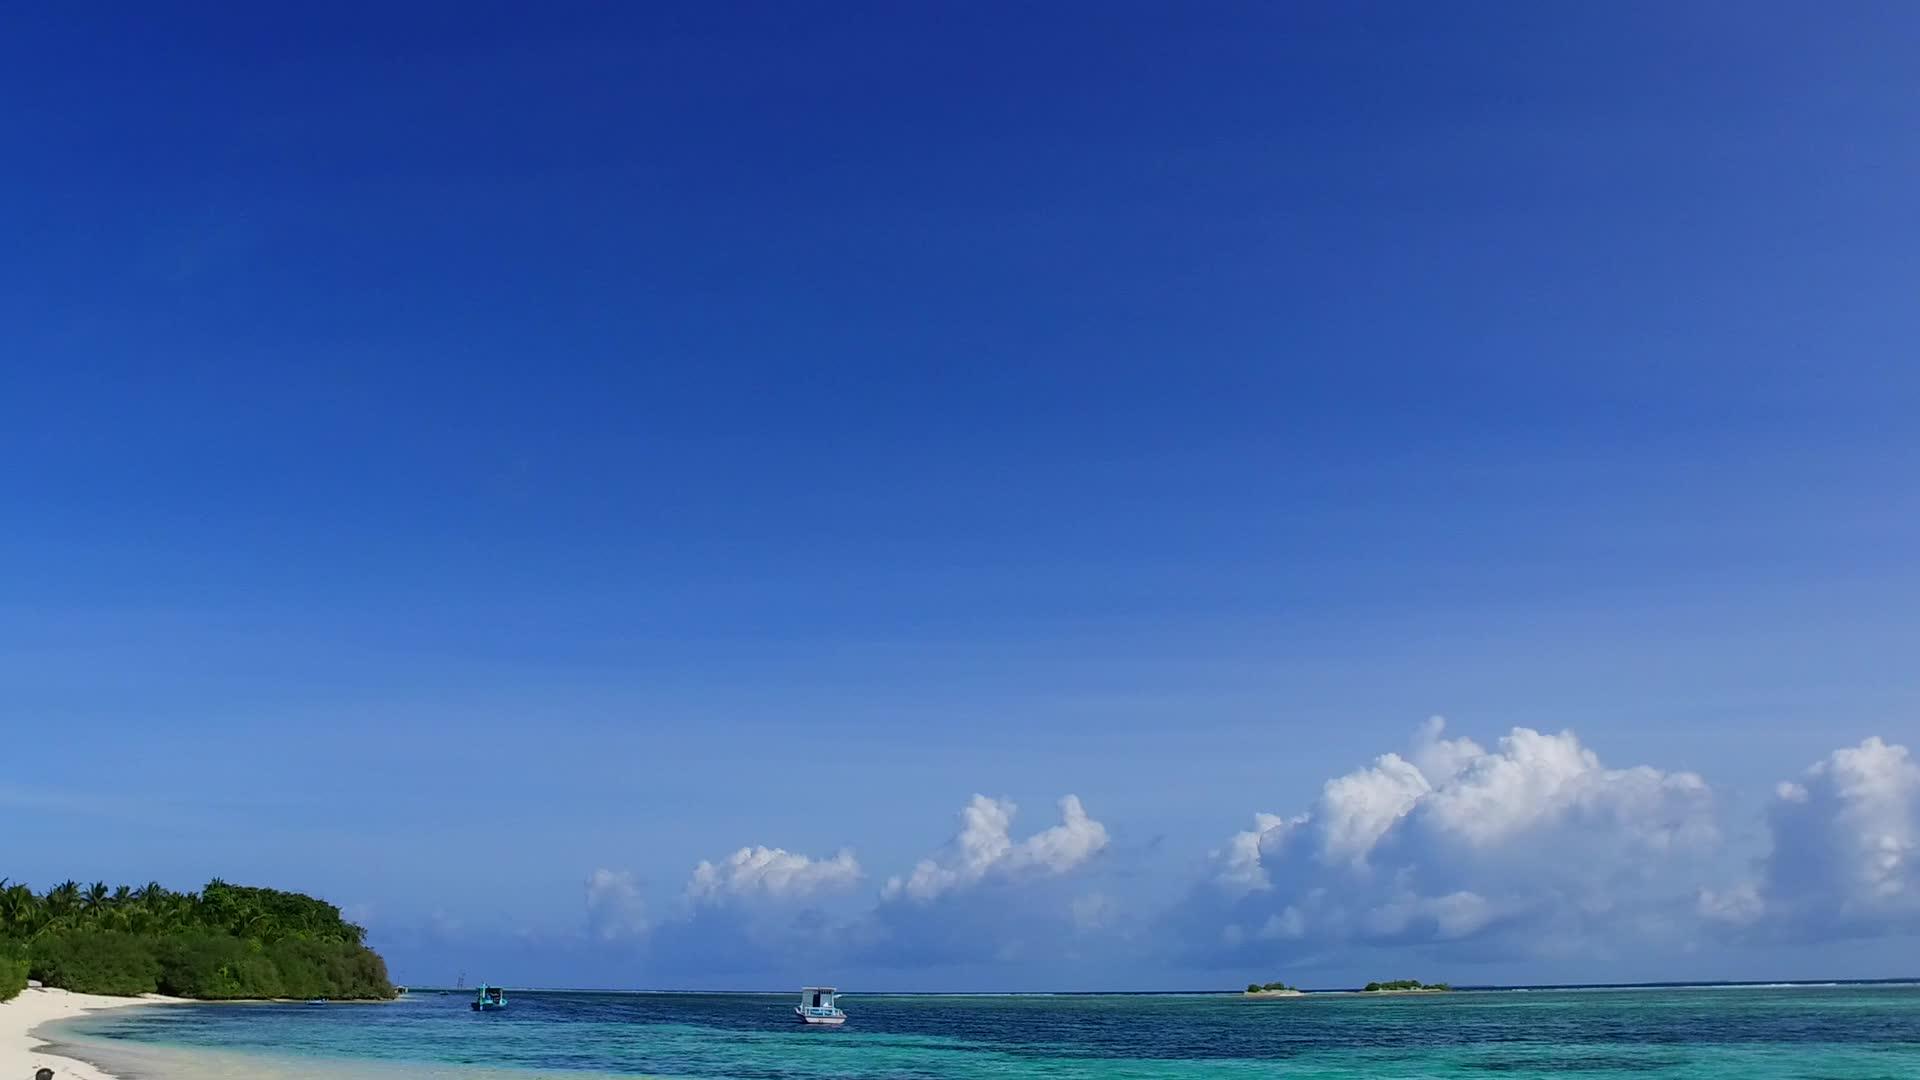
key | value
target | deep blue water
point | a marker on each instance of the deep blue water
(1833, 1033)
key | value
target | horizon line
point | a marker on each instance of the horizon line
(1906, 980)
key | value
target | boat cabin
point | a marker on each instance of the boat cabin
(820, 1005)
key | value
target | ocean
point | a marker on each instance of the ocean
(1844, 1032)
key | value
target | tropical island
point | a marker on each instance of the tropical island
(225, 942)
(1405, 986)
(1396, 986)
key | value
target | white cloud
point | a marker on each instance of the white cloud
(1357, 809)
(1845, 855)
(1242, 862)
(1439, 759)
(771, 872)
(1454, 841)
(984, 848)
(1064, 846)
(615, 908)
(1527, 846)
(1871, 798)
(983, 894)
(1538, 780)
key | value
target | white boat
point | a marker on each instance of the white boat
(817, 1007)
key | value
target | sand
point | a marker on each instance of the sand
(20, 1050)
(24, 1049)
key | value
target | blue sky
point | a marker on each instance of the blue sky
(478, 464)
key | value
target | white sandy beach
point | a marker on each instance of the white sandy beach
(19, 1053)
(22, 1051)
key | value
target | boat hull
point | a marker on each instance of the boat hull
(820, 1020)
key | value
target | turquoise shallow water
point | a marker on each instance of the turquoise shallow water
(1830, 1033)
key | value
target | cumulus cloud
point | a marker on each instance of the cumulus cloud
(982, 896)
(771, 872)
(984, 848)
(1242, 864)
(1357, 809)
(1526, 849)
(989, 899)
(1845, 852)
(615, 907)
(1454, 841)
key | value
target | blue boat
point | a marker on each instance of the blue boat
(490, 999)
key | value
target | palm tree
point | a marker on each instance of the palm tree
(182, 910)
(143, 907)
(218, 908)
(21, 912)
(62, 900)
(94, 901)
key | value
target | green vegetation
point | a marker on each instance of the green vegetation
(1255, 988)
(13, 969)
(223, 942)
(1401, 986)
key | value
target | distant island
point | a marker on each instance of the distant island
(225, 942)
(1405, 986)
(1397, 986)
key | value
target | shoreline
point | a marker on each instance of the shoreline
(39, 1030)
(23, 1049)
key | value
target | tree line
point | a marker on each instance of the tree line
(223, 942)
(1401, 985)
